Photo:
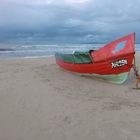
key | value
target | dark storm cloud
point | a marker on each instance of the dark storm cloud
(74, 20)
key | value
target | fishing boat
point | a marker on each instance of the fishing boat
(111, 62)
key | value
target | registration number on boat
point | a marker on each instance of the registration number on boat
(119, 63)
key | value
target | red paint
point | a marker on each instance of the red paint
(98, 68)
(106, 52)
(103, 59)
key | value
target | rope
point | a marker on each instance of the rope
(136, 73)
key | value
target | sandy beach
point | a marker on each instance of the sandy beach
(40, 101)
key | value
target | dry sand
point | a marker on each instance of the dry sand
(40, 101)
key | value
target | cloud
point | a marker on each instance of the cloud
(76, 20)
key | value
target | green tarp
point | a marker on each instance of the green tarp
(77, 57)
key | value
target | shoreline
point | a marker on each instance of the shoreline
(37, 57)
(28, 57)
(30, 51)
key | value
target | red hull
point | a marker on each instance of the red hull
(114, 58)
(102, 68)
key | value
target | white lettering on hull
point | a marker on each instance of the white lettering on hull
(119, 63)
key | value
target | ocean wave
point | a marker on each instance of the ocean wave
(26, 51)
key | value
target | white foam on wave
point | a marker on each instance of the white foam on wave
(37, 51)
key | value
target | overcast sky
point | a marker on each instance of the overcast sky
(69, 20)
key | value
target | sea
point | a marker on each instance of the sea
(44, 50)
